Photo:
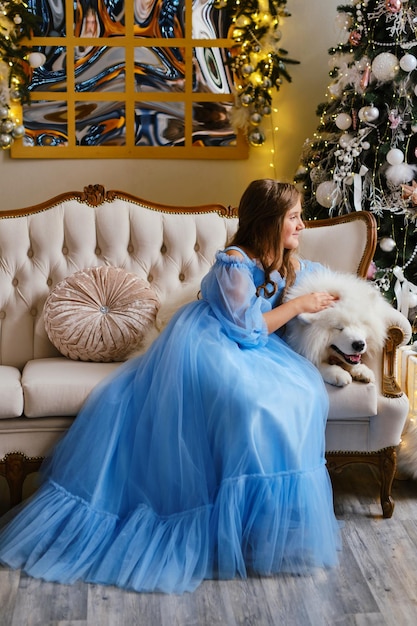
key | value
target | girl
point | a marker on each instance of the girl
(204, 457)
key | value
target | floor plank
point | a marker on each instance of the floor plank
(374, 585)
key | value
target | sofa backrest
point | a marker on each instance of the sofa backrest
(171, 247)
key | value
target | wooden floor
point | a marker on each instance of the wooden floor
(375, 584)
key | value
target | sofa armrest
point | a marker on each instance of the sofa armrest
(398, 334)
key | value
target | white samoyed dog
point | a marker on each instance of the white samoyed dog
(335, 339)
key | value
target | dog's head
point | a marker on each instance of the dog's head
(343, 333)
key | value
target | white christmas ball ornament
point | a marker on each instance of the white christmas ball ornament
(387, 244)
(408, 63)
(395, 156)
(36, 59)
(327, 194)
(343, 121)
(371, 113)
(345, 140)
(368, 114)
(385, 66)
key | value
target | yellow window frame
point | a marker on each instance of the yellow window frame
(130, 97)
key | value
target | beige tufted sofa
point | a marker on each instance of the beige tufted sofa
(172, 247)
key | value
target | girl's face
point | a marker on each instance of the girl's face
(292, 226)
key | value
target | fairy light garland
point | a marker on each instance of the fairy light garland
(257, 61)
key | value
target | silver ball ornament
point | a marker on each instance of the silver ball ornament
(255, 119)
(5, 141)
(18, 131)
(245, 99)
(6, 126)
(256, 137)
(4, 112)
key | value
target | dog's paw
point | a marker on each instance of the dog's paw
(335, 375)
(362, 373)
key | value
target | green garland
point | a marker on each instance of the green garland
(257, 62)
(16, 24)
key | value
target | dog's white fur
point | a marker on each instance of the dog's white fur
(353, 325)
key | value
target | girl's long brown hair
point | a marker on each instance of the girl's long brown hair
(262, 209)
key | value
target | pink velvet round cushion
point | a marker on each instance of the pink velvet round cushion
(100, 314)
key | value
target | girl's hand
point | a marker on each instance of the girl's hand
(315, 302)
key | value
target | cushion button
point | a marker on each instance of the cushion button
(15, 282)
(181, 277)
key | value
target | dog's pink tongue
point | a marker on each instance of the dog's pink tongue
(354, 358)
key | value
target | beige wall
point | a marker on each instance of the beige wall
(307, 35)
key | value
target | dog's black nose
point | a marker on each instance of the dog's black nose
(358, 345)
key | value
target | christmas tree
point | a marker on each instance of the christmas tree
(363, 155)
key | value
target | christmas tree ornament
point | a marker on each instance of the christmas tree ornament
(6, 141)
(393, 6)
(328, 194)
(18, 131)
(387, 244)
(408, 63)
(385, 66)
(343, 121)
(345, 140)
(395, 156)
(256, 137)
(368, 114)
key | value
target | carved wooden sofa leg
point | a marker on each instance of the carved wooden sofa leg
(15, 467)
(384, 460)
(387, 468)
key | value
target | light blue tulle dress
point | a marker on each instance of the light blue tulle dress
(202, 458)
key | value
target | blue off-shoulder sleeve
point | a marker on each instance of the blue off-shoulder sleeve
(230, 290)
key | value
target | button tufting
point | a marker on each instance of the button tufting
(64, 250)
(104, 309)
(33, 312)
(49, 282)
(150, 278)
(97, 251)
(2, 315)
(130, 248)
(30, 253)
(15, 282)
(181, 277)
(197, 247)
(163, 249)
